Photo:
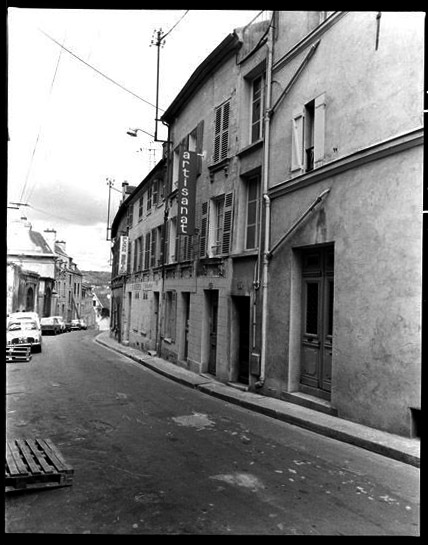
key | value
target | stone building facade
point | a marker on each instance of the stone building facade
(302, 278)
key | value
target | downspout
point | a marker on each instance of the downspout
(160, 317)
(266, 200)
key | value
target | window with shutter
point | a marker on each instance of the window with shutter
(204, 229)
(161, 237)
(227, 224)
(221, 132)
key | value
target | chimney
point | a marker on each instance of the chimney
(124, 190)
(50, 237)
(61, 244)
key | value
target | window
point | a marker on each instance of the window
(308, 129)
(253, 213)
(257, 101)
(221, 132)
(216, 226)
(140, 208)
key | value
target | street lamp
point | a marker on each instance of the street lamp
(133, 132)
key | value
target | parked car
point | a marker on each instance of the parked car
(50, 325)
(61, 323)
(24, 316)
(68, 326)
(83, 324)
(75, 324)
(24, 333)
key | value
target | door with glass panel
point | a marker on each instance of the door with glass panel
(317, 321)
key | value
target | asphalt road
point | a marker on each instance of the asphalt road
(151, 456)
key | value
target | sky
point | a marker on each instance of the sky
(78, 79)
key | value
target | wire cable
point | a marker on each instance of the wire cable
(98, 71)
(171, 29)
(38, 134)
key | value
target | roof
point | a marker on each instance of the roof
(226, 48)
(124, 205)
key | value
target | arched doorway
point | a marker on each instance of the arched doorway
(29, 302)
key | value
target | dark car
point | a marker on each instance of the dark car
(50, 325)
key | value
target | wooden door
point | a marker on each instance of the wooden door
(212, 316)
(317, 322)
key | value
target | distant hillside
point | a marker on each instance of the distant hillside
(97, 278)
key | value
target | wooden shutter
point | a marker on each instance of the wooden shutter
(155, 186)
(199, 146)
(147, 251)
(204, 230)
(162, 244)
(140, 257)
(136, 242)
(297, 142)
(217, 135)
(319, 130)
(153, 249)
(227, 224)
(225, 131)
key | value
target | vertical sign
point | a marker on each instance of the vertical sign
(186, 195)
(123, 255)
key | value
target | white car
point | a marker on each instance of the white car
(62, 323)
(24, 333)
(24, 316)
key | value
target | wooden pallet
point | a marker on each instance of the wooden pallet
(35, 463)
(18, 353)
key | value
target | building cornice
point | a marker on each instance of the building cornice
(358, 158)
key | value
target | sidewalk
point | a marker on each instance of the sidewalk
(389, 445)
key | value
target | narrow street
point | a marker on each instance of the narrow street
(151, 456)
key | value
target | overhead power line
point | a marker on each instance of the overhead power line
(171, 29)
(98, 71)
(38, 134)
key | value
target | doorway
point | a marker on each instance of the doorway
(317, 321)
(186, 315)
(244, 327)
(212, 308)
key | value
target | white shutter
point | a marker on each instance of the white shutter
(297, 142)
(319, 131)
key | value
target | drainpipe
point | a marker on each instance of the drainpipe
(266, 201)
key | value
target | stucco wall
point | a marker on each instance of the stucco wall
(373, 217)
(370, 95)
